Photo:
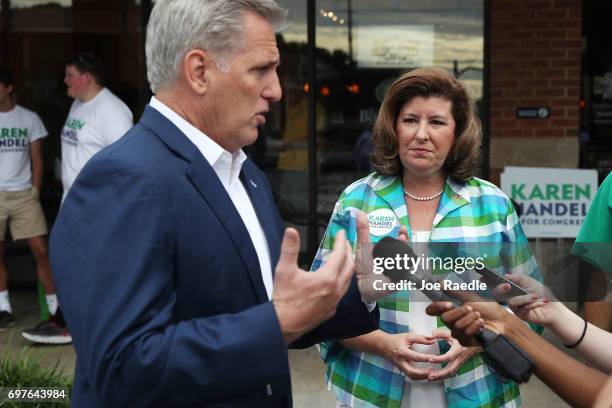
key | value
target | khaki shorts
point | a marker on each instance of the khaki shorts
(23, 213)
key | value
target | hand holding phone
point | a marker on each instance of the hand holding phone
(493, 280)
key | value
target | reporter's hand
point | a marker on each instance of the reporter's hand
(455, 357)
(539, 307)
(302, 299)
(397, 348)
(463, 321)
(363, 260)
(494, 317)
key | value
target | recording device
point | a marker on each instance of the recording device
(496, 279)
(502, 355)
(506, 358)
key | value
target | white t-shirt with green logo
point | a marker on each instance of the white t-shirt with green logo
(18, 128)
(90, 127)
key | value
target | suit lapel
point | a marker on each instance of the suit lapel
(260, 201)
(210, 188)
(206, 182)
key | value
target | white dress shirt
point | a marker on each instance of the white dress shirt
(227, 167)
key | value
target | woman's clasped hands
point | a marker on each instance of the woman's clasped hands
(404, 350)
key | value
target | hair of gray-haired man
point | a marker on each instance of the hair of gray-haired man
(177, 26)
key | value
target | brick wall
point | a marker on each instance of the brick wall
(535, 62)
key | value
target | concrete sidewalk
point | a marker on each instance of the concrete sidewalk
(307, 369)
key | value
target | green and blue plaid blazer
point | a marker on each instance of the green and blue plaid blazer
(474, 211)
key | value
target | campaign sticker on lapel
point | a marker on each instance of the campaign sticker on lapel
(382, 221)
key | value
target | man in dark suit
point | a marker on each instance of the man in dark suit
(170, 267)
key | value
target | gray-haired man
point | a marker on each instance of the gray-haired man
(171, 271)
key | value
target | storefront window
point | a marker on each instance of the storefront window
(40, 16)
(365, 46)
(281, 150)
(361, 47)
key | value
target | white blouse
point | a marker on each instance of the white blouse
(421, 393)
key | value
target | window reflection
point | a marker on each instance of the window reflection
(361, 47)
(40, 15)
(32, 3)
(281, 149)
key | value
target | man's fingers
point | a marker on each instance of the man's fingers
(348, 269)
(340, 241)
(336, 259)
(363, 228)
(340, 263)
(290, 248)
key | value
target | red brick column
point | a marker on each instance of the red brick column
(535, 62)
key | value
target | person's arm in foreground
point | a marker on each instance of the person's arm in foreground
(572, 380)
(604, 399)
(541, 308)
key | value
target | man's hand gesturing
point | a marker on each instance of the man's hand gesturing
(305, 299)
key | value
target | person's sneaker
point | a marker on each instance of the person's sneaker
(53, 331)
(6, 319)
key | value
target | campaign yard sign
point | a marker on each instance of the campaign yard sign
(553, 202)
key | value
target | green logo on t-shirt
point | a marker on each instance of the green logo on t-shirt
(13, 140)
(75, 124)
(13, 133)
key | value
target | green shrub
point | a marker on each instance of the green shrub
(24, 371)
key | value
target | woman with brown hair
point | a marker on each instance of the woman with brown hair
(426, 149)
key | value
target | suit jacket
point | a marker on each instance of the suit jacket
(160, 283)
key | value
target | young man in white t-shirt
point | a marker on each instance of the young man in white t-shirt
(96, 119)
(21, 170)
